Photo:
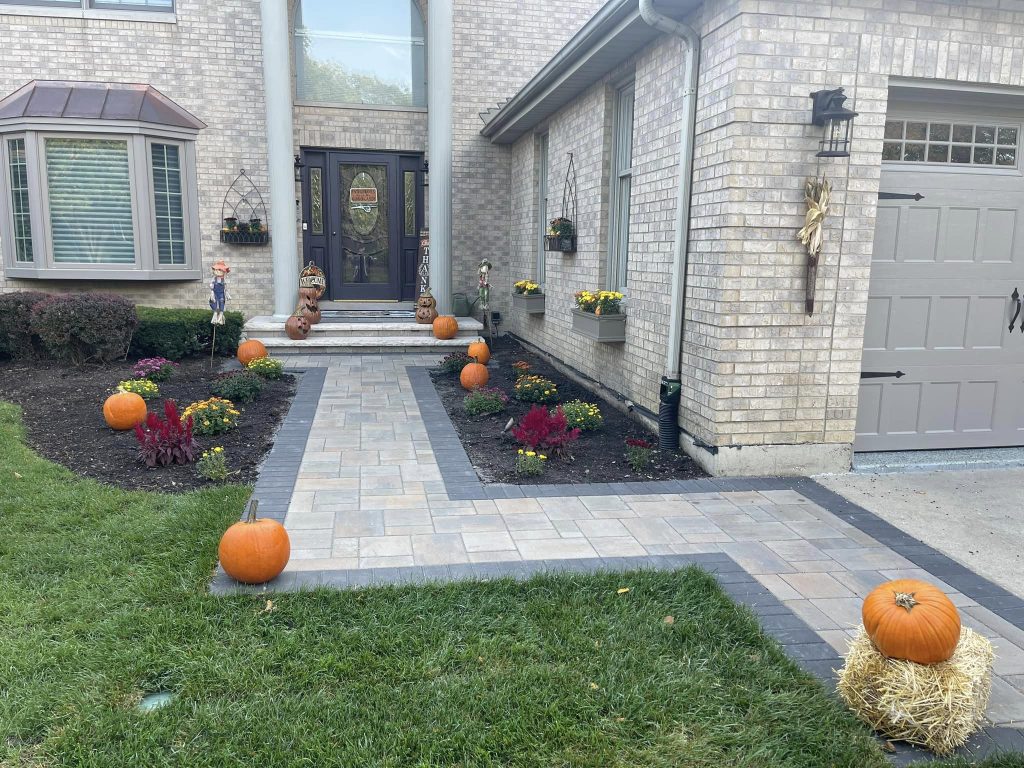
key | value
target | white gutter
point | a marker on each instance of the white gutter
(673, 354)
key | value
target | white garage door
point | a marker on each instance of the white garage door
(941, 366)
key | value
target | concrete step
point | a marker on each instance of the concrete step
(266, 328)
(340, 345)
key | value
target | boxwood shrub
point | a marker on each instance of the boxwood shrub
(178, 333)
(81, 328)
(16, 336)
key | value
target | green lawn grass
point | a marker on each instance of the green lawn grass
(103, 599)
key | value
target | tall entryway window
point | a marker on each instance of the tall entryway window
(360, 53)
(621, 184)
(362, 212)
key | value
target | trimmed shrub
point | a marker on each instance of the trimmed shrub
(16, 336)
(81, 328)
(238, 387)
(178, 333)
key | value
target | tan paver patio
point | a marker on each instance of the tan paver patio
(370, 495)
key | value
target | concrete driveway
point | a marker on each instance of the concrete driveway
(974, 516)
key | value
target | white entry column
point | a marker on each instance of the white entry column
(439, 148)
(277, 95)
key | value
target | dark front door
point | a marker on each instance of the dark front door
(361, 217)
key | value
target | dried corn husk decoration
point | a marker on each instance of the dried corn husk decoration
(817, 195)
(937, 706)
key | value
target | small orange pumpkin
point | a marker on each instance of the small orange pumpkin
(445, 327)
(474, 376)
(254, 551)
(250, 350)
(913, 620)
(479, 351)
(124, 410)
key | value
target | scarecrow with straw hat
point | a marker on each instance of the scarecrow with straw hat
(219, 291)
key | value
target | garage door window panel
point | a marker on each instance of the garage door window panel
(948, 143)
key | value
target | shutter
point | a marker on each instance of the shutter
(90, 201)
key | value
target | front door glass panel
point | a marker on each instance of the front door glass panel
(365, 224)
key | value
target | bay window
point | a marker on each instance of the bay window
(95, 199)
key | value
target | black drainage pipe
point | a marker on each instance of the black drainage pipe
(668, 414)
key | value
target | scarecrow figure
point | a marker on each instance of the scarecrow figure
(219, 295)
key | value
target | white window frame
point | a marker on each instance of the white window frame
(543, 209)
(140, 137)
(620, 186)
(90, 9)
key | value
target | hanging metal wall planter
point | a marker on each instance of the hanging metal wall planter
(562, 230)
(244, 213)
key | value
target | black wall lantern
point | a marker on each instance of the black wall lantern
(828, 111)
(299, 165)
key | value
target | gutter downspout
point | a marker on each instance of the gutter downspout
(671, 382)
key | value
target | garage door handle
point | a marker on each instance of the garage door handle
(1015, 296)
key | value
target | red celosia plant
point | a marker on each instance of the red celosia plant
(168, 440)
(544, 431)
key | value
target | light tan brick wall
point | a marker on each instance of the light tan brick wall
(210, 63)
(756, 369)
(497, 47)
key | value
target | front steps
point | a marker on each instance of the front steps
(360, 334)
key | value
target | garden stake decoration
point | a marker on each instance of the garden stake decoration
(484, 297)
(219, 297)
(817, 195)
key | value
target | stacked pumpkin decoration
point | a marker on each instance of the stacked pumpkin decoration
(312, 284)
(124, 410)
(426, 308)
(913, 672)
(445, 327)
(254, 551)
(249, 350)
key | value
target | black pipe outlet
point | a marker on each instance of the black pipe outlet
(668, 414)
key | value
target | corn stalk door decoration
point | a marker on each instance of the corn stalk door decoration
(817, 195)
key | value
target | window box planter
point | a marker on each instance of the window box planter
(563, 243)
(531, 304)
(245, 238)
(601, 328)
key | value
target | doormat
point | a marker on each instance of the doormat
(367, 315)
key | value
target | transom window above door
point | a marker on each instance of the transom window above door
(951, 143)
(360, 53)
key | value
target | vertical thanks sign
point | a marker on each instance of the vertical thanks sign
(424, 268)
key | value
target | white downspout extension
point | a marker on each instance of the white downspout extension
(277, 88)
(673, 354)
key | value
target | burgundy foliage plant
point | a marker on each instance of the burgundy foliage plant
(546, 432)
(168, 440)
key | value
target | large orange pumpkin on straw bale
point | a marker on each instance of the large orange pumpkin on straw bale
(912, 619)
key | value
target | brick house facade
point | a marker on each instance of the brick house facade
(766, 387)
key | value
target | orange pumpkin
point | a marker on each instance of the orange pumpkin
(124, 410)
(913, 620)
(250, 350)
(474, 376)
(445, 327)
(254, 551)
(479, 351)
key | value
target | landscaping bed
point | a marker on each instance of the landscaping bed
(62, 410)
(597, 456)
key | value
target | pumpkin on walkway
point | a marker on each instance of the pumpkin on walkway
(913, 620)
(250, 350)
(474, 376)
(254, 551)
(445, 327)
(479, 351)
(124, 410)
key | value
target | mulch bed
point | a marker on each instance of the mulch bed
(63, 413)
(598, 456)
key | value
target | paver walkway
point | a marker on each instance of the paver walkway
(370, 495)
